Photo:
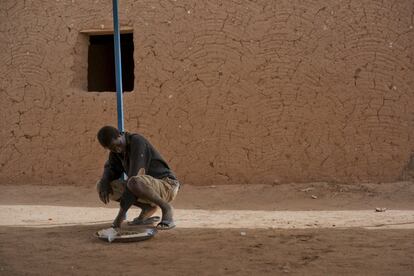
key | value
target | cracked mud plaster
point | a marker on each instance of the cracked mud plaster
(229, 91)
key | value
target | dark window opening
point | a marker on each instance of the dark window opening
(101, 63)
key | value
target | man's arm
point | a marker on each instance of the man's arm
(127, 199)
(111, 172)
(112, 169)
(139, 157)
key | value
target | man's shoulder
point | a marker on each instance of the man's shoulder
(133, 135)
(136, 138)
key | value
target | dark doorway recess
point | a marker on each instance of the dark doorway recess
(101, 63)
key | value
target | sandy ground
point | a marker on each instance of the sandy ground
(222, 230)
(54, 216)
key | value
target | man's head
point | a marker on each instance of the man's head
(110, 138)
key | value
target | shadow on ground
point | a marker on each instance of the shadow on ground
(74, 250)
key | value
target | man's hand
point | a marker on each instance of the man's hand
(141, 171)
(119, 219)
(104, 191)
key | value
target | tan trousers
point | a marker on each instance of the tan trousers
(166, 188)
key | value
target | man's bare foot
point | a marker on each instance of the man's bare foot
(147, 211)
(119, 219)
(144, 217)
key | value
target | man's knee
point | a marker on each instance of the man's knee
(118, 188)
(136, 184)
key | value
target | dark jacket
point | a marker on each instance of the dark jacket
(139, 154)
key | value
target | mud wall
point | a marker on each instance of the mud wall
(229, 91)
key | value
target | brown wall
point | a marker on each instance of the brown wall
(229, 91)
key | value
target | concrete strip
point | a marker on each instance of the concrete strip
(53, 216)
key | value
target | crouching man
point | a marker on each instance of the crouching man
(150, 182)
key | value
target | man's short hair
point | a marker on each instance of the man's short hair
(106, 135)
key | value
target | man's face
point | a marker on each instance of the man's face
(117, 145)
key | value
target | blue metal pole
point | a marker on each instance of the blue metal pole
(118, 67)
(118, 71)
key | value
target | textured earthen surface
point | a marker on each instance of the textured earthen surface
(321, 249)
(229, 91)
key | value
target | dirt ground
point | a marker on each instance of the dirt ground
(72, 250)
